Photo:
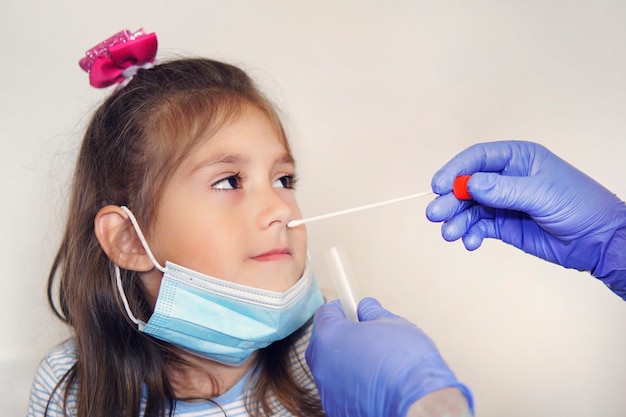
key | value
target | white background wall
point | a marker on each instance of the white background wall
(377, 96)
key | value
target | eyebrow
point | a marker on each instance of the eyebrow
(287, 159)
(237, 159)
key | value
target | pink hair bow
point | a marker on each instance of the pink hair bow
(117, 59)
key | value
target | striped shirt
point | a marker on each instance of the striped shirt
(61, 358)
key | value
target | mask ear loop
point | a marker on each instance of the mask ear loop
(118, 277)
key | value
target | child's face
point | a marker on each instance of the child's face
(224, 210)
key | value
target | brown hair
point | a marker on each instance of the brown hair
(135, 139)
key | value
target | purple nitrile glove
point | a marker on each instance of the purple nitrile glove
(528, 197)
(377, 367)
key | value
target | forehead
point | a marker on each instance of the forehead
(248, 135)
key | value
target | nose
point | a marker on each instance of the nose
(275, 207)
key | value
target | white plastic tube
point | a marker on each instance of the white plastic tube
(343, 280)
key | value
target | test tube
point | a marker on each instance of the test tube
(343, 280)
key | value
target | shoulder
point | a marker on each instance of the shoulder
(54, 366)
(61, 357)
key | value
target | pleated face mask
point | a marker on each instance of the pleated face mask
(221, 320)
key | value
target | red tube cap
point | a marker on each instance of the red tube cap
(459, 188)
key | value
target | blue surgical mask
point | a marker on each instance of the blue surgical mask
(218, 319)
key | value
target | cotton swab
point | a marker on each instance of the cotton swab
(295, 223)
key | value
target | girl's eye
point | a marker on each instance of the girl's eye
(229, 183)
(286, 181)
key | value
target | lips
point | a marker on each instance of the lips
(273, 255)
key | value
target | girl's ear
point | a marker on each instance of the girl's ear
(119, 241)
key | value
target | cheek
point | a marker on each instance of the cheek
(198, 240)
(214, 244)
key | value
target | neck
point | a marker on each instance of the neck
(195, 378)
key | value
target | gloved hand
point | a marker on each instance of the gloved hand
(377, 367)
(525, 195)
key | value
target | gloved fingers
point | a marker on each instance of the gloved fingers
(459, 225)
(370, 309)
(327, 318)
(478, 232)
(329, 312)
(444, 207)
(526, 194)
(489, 157)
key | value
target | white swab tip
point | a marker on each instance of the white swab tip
(294, 223)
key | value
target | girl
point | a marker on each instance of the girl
(184, 174)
